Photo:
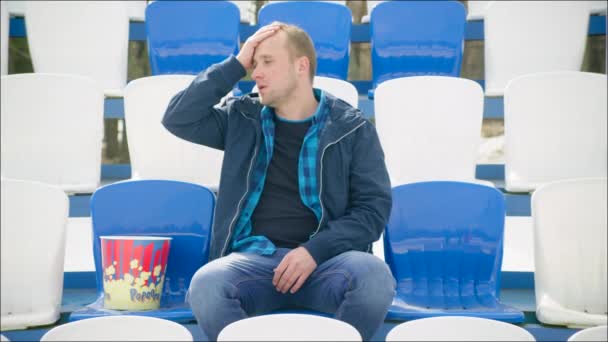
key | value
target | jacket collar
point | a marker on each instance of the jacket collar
(342, 119)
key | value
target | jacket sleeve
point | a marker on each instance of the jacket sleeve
(370, 202)
(194, 114)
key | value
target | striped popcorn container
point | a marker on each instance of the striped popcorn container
(134, 269)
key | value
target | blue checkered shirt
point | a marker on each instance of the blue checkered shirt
(242, 240)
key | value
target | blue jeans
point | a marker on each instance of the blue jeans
(355, 287)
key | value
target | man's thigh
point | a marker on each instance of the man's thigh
(326, 287)
(243, 276)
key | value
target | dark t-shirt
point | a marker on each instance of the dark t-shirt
(280, 214)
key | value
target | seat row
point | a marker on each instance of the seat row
(443, 244)
(137, 9)
(408, 38)
(476, 10)
(429, 127)
(287, 327)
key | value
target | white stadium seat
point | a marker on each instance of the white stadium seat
(458, 328)
(119, 328)
(555, 128)
(521, 37)
(16, 7)
(476, 10)
(136, 9)
(570, 255)
(156, 153)
(341, 89)
(430, 128)
(599, 334)
(52, 130)
(289, 327)
(34, 217)
(89, 38)
(598, 7)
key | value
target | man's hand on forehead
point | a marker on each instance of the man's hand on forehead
(245, 56)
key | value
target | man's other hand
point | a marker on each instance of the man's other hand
(245, 56)
(293, 270)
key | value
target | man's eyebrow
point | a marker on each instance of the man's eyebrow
(265, 56)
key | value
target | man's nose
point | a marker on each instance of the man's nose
(256, 74)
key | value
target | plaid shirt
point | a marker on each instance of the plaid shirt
(242, 240)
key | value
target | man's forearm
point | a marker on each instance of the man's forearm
(191, 114)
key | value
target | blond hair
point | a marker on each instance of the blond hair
(300, 44)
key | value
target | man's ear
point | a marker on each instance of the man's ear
(303, 65)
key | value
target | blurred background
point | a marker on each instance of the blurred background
(115, 147)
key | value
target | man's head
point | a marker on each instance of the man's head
(283, 63)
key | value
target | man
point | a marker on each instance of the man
(303, 194)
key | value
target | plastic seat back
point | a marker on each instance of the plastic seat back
(339, 88)
(458, 328)
(155, 152)
(4, 20)
(113, 328)
(136, 10)
(16, 7)
(476, 10)
(555, 128)
(186, 37)
(183, 211)
(520, 39)
(570, 224)
(52, 130)
(33, 223)
(332, 45)
(414, 38)
(101, 29)
(281, 327)
(444, 245)
(598, 7)
(416, 148)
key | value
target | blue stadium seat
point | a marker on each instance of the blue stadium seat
(328, 24)
(415, 38)
(186, 37)
(183, 211)
(444, 245)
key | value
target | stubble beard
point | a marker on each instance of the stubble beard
(282, 95)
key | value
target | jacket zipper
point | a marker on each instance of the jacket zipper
(238, 207)
(321, 176)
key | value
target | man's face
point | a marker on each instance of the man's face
(273, 70)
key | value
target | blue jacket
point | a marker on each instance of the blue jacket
(354, 186)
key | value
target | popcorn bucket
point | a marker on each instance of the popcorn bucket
(134, 269)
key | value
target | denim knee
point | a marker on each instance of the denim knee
(208, 287)
(371, 273)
